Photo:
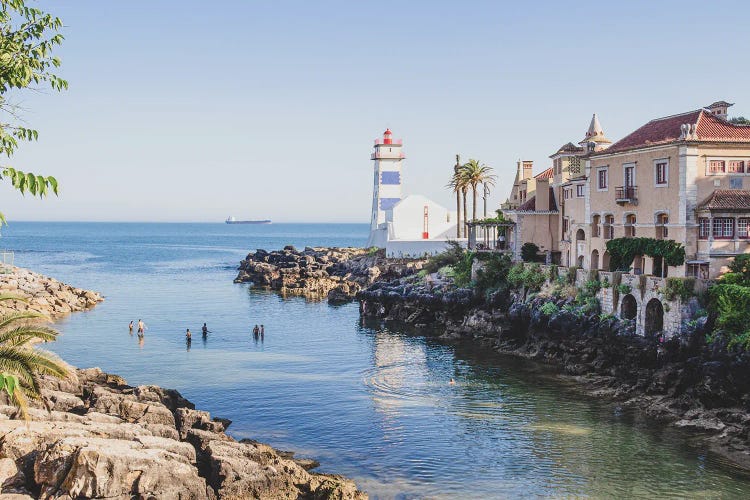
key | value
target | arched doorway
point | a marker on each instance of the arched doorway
(605, 261)
(595, 259)
(580, 247)
(654, 317)
(629, 307)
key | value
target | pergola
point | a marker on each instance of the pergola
(493, 236)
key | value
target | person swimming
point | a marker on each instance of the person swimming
(188, 335)
(130, 327)
(205, 330)
(141, 326)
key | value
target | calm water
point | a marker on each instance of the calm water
(368, 403)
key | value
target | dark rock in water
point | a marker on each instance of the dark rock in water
(337, 274)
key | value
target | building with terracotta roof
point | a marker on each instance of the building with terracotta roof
(682, 177)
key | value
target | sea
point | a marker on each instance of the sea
(369, 401)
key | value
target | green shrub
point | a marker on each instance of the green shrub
(451, 256)
(731, 303)
(606, 317)
(624, 289)
(533, 277)
(462, 269)
(741, 265)
(515, 275)
(622, 251)
(422, 274)
(530, 252)
(494, 274)
(446, 271)
(549, 308)
(606, 283)
(678, 287)
(591, 287)
(732, 279)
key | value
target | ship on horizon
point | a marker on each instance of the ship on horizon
(232, 220)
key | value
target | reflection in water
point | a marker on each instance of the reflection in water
(368, 402)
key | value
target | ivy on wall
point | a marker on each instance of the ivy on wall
(622, 251)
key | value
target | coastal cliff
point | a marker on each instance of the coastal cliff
(336, 274)
(684, 381)
(106, 439)
(42, 294)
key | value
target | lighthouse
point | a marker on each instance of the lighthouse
(386, 190)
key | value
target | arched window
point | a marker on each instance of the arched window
(595, 228)
(580, 235)
(662, 232)
(630, 220)
(595, 259)
(609, 227)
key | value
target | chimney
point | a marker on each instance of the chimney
(528, 168)
(719, 109)
(542, 195)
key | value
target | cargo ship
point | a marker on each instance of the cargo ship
(232, 220)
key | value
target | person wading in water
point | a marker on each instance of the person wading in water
(204, 330)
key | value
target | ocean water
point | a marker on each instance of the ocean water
(365, 401)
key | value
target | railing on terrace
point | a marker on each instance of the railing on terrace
(395, 142)
(387, 156)
(624, 194)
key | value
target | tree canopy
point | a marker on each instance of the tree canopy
(28, 37)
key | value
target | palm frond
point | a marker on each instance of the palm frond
(9, 319)
(22, 334)
(10, 296)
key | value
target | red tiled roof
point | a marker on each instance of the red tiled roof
(530, 204)
(727, 200)
(712, 128)
(668, 129)
(658, 131)
(547, 174)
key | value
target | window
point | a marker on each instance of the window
(716, 167)
(630, 225)
(565, 194)
(565, 227)
(661, 173)
(595, 232)
(743, 228)
(736, 166)
(662, 232)
(602, 179)
(579, 191)
(723, 228)
(574, 165)
(609, 227)
(704, 228)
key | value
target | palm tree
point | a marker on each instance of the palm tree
(456, 169)
(458, 186)
(475, 173)
(21, 364)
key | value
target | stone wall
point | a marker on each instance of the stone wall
(644, 290)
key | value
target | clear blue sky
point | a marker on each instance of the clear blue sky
(192, 111)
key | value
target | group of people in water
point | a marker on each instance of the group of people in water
(259, 332)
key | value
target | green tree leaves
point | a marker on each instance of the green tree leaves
(27, 38)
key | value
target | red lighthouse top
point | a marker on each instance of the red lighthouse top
(387, 136)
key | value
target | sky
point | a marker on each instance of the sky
(194, 111)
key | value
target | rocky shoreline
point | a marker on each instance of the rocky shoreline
(335, 274)
(684, 382)
(42, 294)
(106, 439)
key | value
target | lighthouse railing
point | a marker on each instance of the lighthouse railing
(381, 141)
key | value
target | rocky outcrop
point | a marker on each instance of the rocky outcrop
(684, 381)
(106, 439)
(316, 273)
(42, 294)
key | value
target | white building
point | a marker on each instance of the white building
(413, 226)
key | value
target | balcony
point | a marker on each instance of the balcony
(626, 194)
(384, 155)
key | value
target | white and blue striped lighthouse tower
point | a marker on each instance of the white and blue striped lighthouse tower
(386, 186)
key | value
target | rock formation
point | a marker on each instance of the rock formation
(42, 294)
(106, 439)
(316, 273)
